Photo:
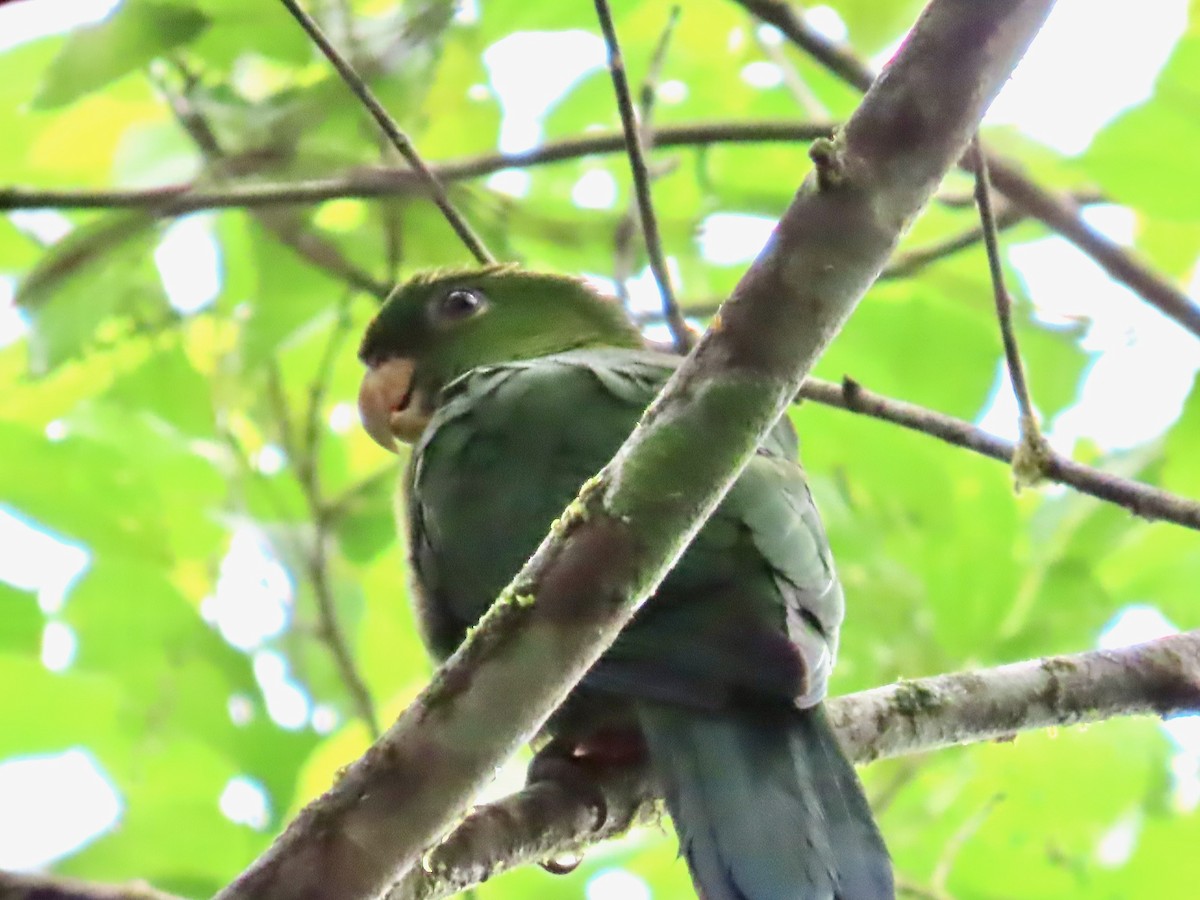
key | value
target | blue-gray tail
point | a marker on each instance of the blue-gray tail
(766, 806)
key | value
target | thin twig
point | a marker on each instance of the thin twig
(903, 265)
(881, 800)
(641, 181)
(382, 181)
(804, 96)
(333, 636)
(1060, 213)
(316, 556)
(1057, 211)
(1028, 462)
(345, 502)
(911, 262)
(1012, 354)
(969, 828)
(649, 88)
(307, 457)
(323, 253)
(627, 228)
(906, 887)
(399, 139)
(1140, 499)
(364, 183)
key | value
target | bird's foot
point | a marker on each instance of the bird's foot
(574, 766)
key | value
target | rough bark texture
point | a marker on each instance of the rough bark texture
(615, 543)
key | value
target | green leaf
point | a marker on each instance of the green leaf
(1163, 129)
(250, 28)
(887, 347)
(168, 386)
(176, 782)
(122, 484)
(100, 273)
(1054, 362)
(1027, 813)
(55, 711)
(1179, 473)
(17, 249)
(139, 31)
(291, 298)
(21, 622)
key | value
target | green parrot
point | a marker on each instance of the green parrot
(514, 387)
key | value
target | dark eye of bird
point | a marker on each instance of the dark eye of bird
(459, 304)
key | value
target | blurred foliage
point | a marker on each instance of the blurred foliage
(154, 435)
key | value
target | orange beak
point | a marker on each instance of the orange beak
(389, 405)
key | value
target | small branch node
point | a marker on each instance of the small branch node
(1032, 455)
(827, 158)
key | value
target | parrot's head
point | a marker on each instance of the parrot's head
(441, 325)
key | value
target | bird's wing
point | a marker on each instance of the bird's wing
(753, 605)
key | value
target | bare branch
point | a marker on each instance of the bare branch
(37, 886)
(618, 539)
(1061, 213)
(1160, 677)
(625, 252)
(908, 264)
(317, 558)
(1140, 499)
(1056, 211)
(177, 199)
(641, 180)
(399, 139)
(545, 820)
(1032, 451)
(804, 96)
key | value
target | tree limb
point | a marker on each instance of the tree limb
(1057, 211)
(177, 199)
(608, 552)
(641, 177)
(1140, 499)
(1029, 460)
(1160, 677)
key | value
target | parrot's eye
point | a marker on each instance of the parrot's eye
(459, 304)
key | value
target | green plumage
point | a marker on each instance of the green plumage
(507, 450)
(720, 666)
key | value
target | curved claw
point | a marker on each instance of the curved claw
(571, 774)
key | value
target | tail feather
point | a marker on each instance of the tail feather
(766, 806)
